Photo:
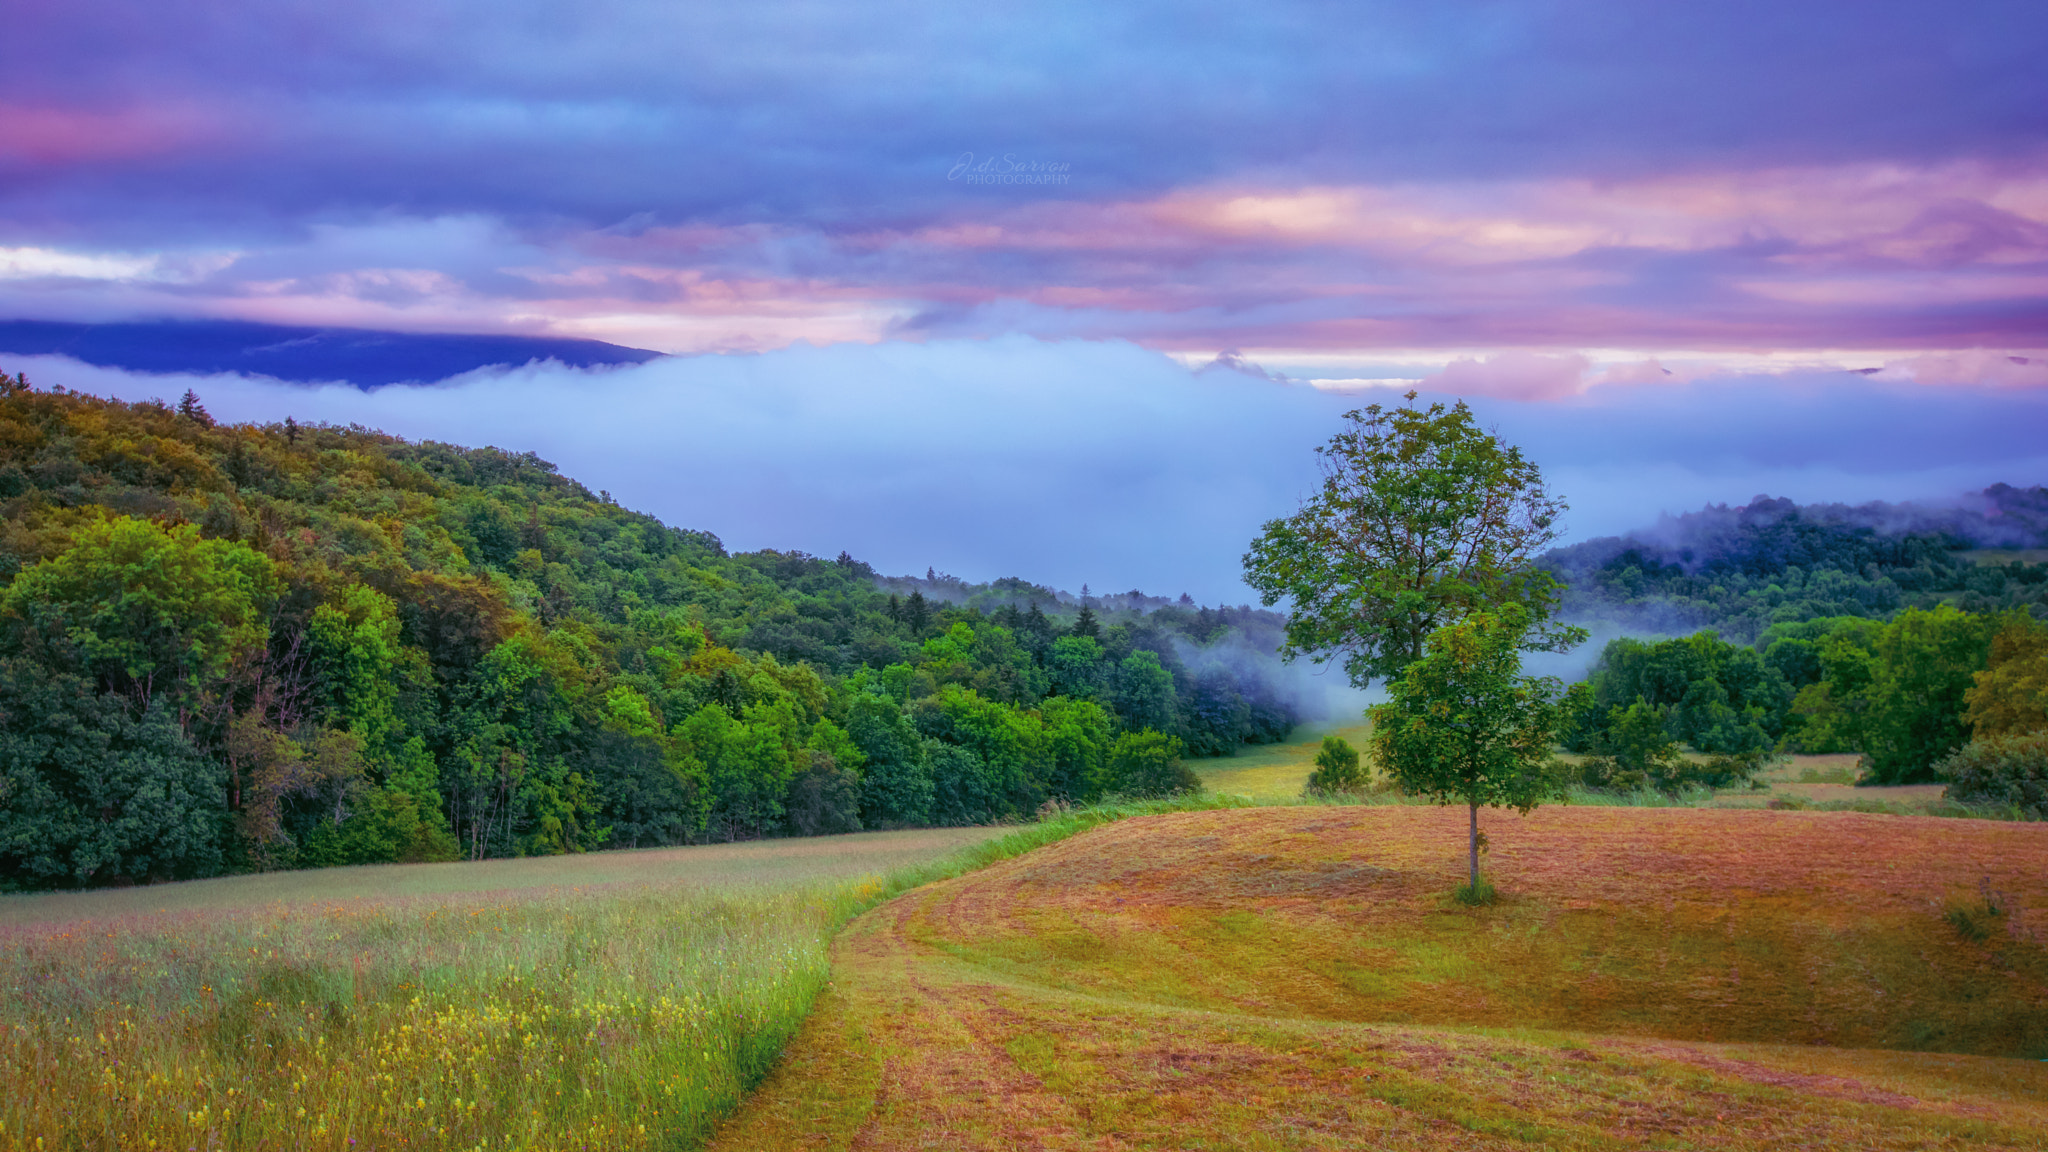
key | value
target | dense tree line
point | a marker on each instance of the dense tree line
(234, 647)
(1741, 571)
(1909, 693)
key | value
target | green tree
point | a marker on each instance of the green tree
(92, 794)
(144, 609)
(1337, 768)
(896, 788)
(1925, 662)
(917, 614)
(1827, 715)
(1465, 725)
(1634, 748)
(1085, 625)
(1076, 666)
(2010, 696)
(1077, 739)
(2001, 770)
(1007, 744)
(1422, 519)
(747, 770)
(1148, 763)
(1143, 691)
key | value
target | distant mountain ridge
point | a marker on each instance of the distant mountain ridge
(1739, 570)
(359, 356)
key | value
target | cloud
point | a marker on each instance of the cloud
(1511, 375)
(1105, 463)
(1550, 179)
(1974, 367)
(1790, 259)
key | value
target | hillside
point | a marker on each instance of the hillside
(1298, 978)
(1740, 570)
(226, 648)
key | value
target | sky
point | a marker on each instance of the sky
(913, 256)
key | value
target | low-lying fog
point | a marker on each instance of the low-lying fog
(1107, 464)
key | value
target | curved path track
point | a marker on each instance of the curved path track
(1295, 978)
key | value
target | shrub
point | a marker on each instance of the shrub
(1633, 751)
(1337, 769)
(2001, 770)
(1148, 763)
(1726, 771)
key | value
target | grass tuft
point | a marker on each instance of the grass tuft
(1975, 919)
(1477, 895)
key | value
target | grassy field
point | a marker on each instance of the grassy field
(1272, 771)
(752, 864)
(1278, 772)
(1298, 978)
(619, 1000)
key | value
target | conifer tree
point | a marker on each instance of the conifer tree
(191, 409)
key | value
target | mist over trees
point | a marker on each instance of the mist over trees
(1741, 570)
(1902, 633)
(229, 647)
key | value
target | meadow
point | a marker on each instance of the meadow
(1299, 978)
(619, 1000)
(1214, 972)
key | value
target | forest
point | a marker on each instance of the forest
(229, 648)
(1909, 635)
(1740, 571)
(1909, 695)
(234, 647)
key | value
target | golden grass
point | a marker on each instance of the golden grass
(1272, 771)
(1298, 978)
(615, 1001)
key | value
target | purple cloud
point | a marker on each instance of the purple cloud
(1513, 179)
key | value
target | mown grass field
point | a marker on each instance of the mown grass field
(616, 1001)
(1297, 978)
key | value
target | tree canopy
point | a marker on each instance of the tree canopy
(1422, 518)
(227, 647)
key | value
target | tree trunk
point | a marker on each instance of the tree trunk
(1475, 849)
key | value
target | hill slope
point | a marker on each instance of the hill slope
(1294, 978)
(1740, 570)
(228, 648)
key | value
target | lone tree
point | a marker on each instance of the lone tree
(1423, 519)
(1464, 724)
(1413, 566)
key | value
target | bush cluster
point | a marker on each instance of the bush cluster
(2002, 770)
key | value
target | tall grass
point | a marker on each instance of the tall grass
(623, 1017)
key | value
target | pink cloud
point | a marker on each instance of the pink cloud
(1974, 367)
(1514, 375)
(1903, 261)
